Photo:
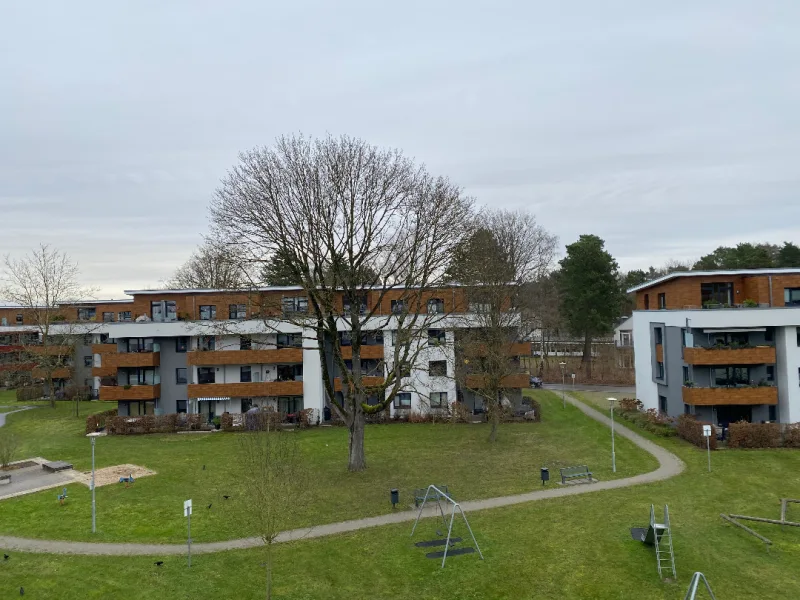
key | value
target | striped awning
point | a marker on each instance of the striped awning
(224, 399)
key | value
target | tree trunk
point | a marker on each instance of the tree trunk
(269, 571)
(587, 355)
(50, 390)
(494, 417)
(357, 460)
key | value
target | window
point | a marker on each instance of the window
(360, 301)
(87, 361)
(730, 376)
(438, 399)
(687, 409)
(245, 342)
(769, 335)
(290, 340)
(435, 305)
(237, 311)
(791, 296)
(713, 294)
(124, 315)
(181, 406)
(86, 314)
(290, 372)
(647, 301)
(208, 342)
(659, 333)
(172, 310)
(480, 308)
(139, 344)
(19, 318)
(208, 312)
(662, 301)
(437, 337)
(205, 375)
(660, 370)
(181, 343)
(770, 373)
(437, 368)
(404, 370)
(108, 317)
(773, 412)
(294, 304)
(180, 375)
(402, 400)
(662, 404)
(398, 306)
(798, 335)
(244, 374)
(290, 404)
(157, 311)
(247, 404)
(685, 374)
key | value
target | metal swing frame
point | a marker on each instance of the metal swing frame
(439, 494)
(697, 578)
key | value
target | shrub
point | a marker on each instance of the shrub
(630, 404)
(226, 421)
(459, 413)
(419, 417)
(31, 392)
(536, 407)
(98, 421)
(754, 435)
(791, 436)
(691, 430)
(8, 447)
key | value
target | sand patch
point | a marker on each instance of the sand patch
(109, 475)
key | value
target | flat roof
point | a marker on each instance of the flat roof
(278, 288)
(748, 272)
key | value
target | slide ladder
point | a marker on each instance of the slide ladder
(660, 535)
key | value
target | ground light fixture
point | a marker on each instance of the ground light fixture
(563, 366)
(93, 437)
(611, 403)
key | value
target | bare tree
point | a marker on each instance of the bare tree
(42, 281)
(367, 236)
(275, 479)
(508, 252)
(212, 266)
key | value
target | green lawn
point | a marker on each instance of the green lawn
(402, 456)
(573, 548)
(8, 397)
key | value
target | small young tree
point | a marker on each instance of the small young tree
(212, 266)
(366, 234)
(275, 482)
(508, 252)
(591, 293)
(8, 447)
(41, 282)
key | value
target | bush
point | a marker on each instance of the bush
(31, 392)
(226, 421)
(657, 425)
(98, 421)
(460, 413)
(754, 435)
(630, 404)
(8, 447)
(791, 436)
(691, 430)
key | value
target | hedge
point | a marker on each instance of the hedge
(98, 421)
(32, 392)
(156, 424)
(754, 435)
(691, 430)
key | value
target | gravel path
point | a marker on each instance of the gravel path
(11, 412)
(669, 466)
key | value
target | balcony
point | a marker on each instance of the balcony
(245, 390)
(50, 350)
(717, 396)
(59, 373)
(515, 349)
(367, 352)
(244, 357)
(104, 348)
(517, 380)
(133, 392)
(730, 356)
(131, 359)
(367, 381)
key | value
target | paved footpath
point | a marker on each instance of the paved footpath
(11, 412)
(669, 466)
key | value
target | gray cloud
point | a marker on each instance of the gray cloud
(667, 128)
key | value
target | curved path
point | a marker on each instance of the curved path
(11, 412)
(669, 466)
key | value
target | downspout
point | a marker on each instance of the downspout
(770, 289)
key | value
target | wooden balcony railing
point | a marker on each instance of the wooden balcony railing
(246, 389)
(368, 381)
(730, 356)
(717, 396)
(134, 392)
(517, 380)
(245, 357)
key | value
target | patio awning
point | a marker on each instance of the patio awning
(222, 399)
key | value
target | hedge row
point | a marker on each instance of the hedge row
(97, 421)
(31, 392)
(763, 435)
(156, 424)
(691, 430)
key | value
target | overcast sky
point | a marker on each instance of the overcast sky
(665, 127)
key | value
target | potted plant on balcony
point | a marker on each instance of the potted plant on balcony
(127, 386)
(688, 383)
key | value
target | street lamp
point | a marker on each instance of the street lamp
(611, 402)
(563, 366)
(94, 436)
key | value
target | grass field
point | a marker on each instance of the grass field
(574, 548)
(399, 456)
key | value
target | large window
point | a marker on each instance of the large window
(172, 310)
(437, 368)
(770, 373)
(435, 305)
(295, 304)
(404, 370)
(438, 399)
(208, 342)
(398, 306)
(86, 314)
(791, 296)
(181, 343)
(402, 400)
(290, 372)
(290, 340)
(685, 374)
(662, 404)
(730, 376)
(157, 311)
(181, 406)
(437, 337)
(773, 412)
(139, 344)
(125, 315)
(108, 317)
(713, 294)
(205, 375)
(290, 404)
(237, 311)
(245, 342)
(180, 375)
(662, 301)
(348, 303)
(244, 374)
(208, 312)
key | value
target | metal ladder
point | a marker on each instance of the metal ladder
(665, 557)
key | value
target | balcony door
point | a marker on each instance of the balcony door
(733, 413)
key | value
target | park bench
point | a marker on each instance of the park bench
(569, 473)
(5, 477)
(419, 495)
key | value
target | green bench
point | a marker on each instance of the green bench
(569, 473)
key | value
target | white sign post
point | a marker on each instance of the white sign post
(707, 434)
(187, 512)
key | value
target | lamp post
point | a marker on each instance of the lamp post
(93, 436)
(611, 402)
(563, 366)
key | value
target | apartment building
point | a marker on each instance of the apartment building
(215, 351)
(723, 345)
